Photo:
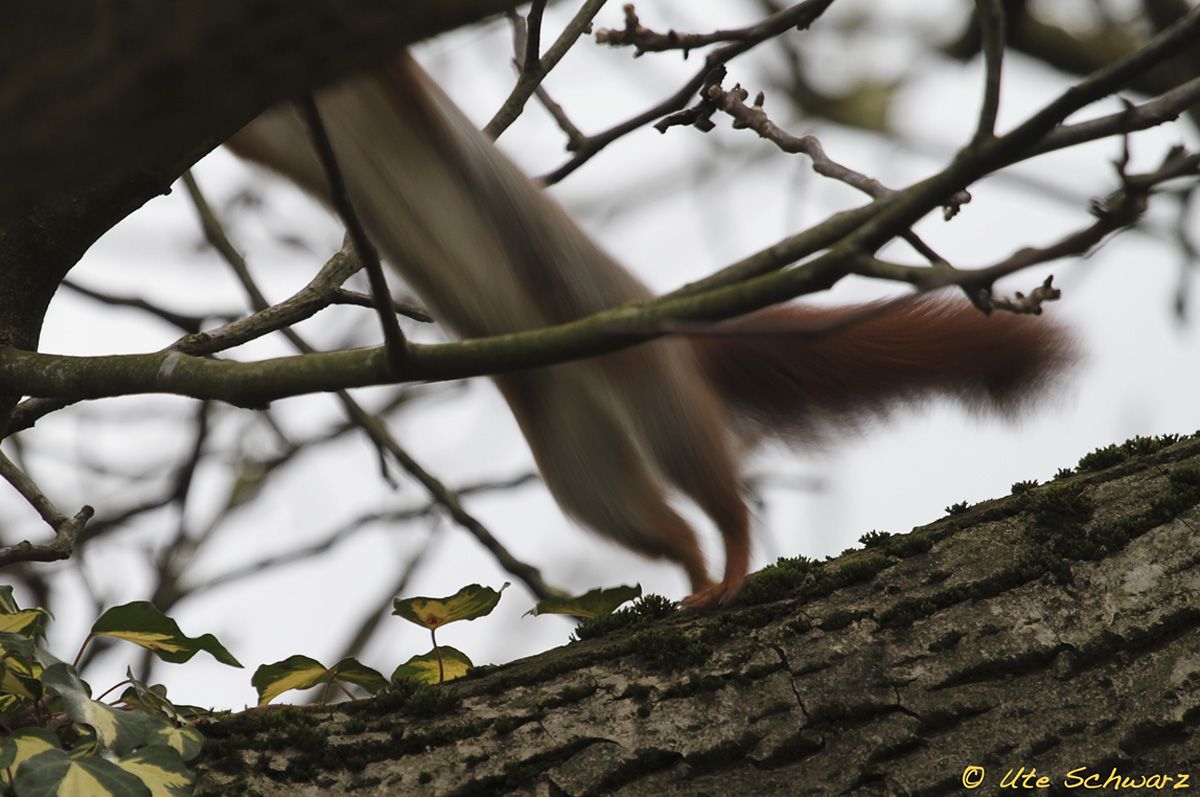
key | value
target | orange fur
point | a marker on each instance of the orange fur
(490, 253)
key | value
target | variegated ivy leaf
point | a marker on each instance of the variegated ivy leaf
(161, 769)
(424, 668)
(20, 671)
(53, 773)
(594, 603)
(25, 744)
(466, 604)
(27, 622)
(152, 699)
(8, 604)
(119, 731)
(302, 672)
(142, 624)
(185, 741)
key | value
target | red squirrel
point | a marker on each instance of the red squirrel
(491, 253)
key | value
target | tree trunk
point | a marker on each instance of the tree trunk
(1049, 634)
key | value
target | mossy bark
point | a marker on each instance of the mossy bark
(1056, 630)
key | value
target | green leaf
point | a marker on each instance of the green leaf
(24, 744)
(294, 672)
(27, 622)
(20, 673)
(594, 603)
(53, 773)
(8, 603)
(142, 624)
(161, 769)
(119, 731)
(185, 741)
(302, 672)
(424, 668)
(152, 699)
(350, 671)
(466, 604)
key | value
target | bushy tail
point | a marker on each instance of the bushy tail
(796, 371)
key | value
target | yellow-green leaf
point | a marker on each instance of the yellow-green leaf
(186, 741)
(19, 669)
(27, 622)
(466, 604)
(351, 671)
(294, 672)
(24, 744)
(119, 731)
(54, 773)
(594, 603)
(142, 624)
(302, 672)
(161, 769)
(424, 668)
(8, 603)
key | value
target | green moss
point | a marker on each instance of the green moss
(936, 576)
(778, 581)
(669, 648)
(1024, 487)
(1059, 509)
(874, 538)
(1108, 456)
(641, 612)
(957, 509)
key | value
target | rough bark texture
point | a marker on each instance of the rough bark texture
(106, 103)
(1056, 629)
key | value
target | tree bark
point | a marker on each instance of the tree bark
(105, 104)
(1055, 630)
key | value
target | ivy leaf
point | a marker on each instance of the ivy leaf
(152, 699)
(302, 672)
(8, 603)
(424, 668)
(594, 603)
(466, 604)
(27, 622)
(53, 773)
(25, 744)
(20, 672)
(294, 672)
(119, 731)
(161, 770)
(350, 671)
(142, 624)
(186, 741)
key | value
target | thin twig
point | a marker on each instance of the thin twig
(408, 309)
(799, 16)
(533, 36)
(186, 323)
(375, 429)
(65, 529)
(733, 103)
(532, 74)
(393, 337)
(990, 14)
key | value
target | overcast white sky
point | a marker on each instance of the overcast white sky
(673, 207)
